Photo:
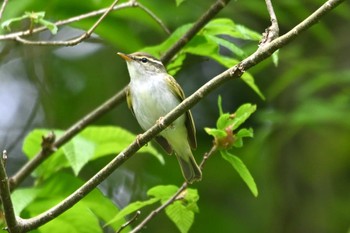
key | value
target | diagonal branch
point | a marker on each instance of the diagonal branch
(174, 197)
(32, 164)
(201, 22)
(234, 72)
(150, 13)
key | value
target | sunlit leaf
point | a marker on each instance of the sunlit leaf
(22, 197)
(78, 152)
(181, 216)
(131, 208)
(215, 132)
(242, 170)
(178, 2)
(249, 80)
(51, 26)
(242, 133)
(241, 115)
(162, 191)
(275, 58)
(6, 24)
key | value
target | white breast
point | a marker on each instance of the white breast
(151, 100)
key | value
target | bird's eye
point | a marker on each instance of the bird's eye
(144, 60)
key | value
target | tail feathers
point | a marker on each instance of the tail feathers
(189, 168)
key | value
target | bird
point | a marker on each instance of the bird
(151, 94)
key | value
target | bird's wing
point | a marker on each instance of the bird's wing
(129, 100)
(191, 130)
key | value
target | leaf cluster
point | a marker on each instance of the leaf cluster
(225, 139)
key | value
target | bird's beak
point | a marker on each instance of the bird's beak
(126, 57)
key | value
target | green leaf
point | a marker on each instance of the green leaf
(6, 24)
(242, 170)
(181, 212)
(196, 45)
(78, 152)
(225, 26)
(216, 133)
(178, 2)
(223, 121)
(132, 207)
(21, 198)
(181, 216)
(245, 133)
(175, 65)
(158, 50)
(162, 192)
(240, 135)
(275, 58)
(241, 115)
(249, 80)
(111, 140)
(55, 189)
(220, 105)
(74, 221)
(32, 145)
(227, 44)
(35, 16)
(92, 143)
(51, 26)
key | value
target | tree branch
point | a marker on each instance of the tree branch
(11, 220)
(12, 36)
(131, 3)
(271, 32)
(74, 41)
(32, 164)
(200, 23)
(174, 197)
(129, 222)
(234, 72)
(150, 13)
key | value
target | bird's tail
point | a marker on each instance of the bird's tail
(189, 167)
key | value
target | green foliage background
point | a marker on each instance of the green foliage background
(299, 155)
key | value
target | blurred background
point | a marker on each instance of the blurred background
(299, 156)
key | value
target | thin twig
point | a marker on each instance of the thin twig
(129, 222)
(234, 72)
(154, 16)
(3, 6)
(174, 197)
(132, 3)
(197, 26)
(29, 167)
(5, 194)
(74, 41)
(160, 208)
(15, 35)
(271, 32)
